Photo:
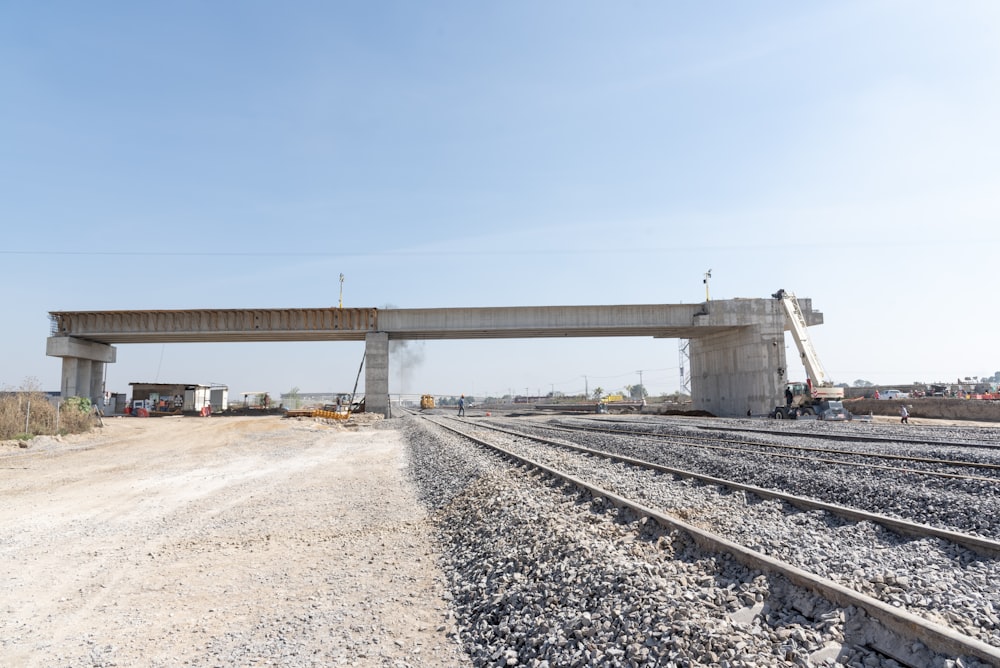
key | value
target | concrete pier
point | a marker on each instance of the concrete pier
(741, 365)
(377, 373)
(82, 365)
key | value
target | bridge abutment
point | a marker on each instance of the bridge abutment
(740, 367)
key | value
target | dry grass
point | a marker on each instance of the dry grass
(28, 412)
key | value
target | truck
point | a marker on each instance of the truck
(893, 394)
(809, 397)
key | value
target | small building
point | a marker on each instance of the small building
(180, 398)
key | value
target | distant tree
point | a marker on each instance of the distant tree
(293, 397)
(863, 383)
(636, 392)
(598, 393)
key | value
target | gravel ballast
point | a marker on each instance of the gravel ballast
(544, 576)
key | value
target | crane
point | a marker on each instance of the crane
(804, 398)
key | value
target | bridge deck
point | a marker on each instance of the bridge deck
(353, 324)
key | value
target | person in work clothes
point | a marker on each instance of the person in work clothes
(904, 415)
(461, 406)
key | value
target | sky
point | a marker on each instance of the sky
(455, 154)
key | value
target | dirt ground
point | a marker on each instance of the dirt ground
(217, 542)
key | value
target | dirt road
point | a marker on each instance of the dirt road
(217, 542)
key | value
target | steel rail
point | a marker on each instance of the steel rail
(936, 637)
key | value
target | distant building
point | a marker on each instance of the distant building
(54, 397)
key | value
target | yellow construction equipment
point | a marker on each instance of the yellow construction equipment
(427, 401)
(332, 415)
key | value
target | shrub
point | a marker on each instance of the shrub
(76, 416)
(28, 412)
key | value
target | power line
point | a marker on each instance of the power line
(468, 252)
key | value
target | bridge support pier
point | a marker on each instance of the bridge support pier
(377, 373)
(82, 365)
(740, 367)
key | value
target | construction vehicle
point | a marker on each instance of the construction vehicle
(806, 398)
(427, 401)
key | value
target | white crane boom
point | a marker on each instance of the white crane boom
(810, 360)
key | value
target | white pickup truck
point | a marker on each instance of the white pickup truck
(892, 394)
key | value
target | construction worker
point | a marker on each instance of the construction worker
(461, 406)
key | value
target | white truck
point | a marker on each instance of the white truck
(892, 394)
(813, 395)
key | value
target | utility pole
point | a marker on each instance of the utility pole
(586, 389)
(642, 387)
(708, 275)
(341, 305)
(684, 361)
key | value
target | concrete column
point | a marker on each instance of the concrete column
(96, 382)
(735, 369)
(377, 373)
(69, 386)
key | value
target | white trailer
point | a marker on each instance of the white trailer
(197, 399)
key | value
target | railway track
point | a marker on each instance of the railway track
(640, 488)
(864, 438)
(957, 501)
(983, 546)
(967, 469)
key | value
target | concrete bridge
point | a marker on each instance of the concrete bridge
(737, 346)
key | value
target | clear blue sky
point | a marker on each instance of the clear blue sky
(443, 154)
